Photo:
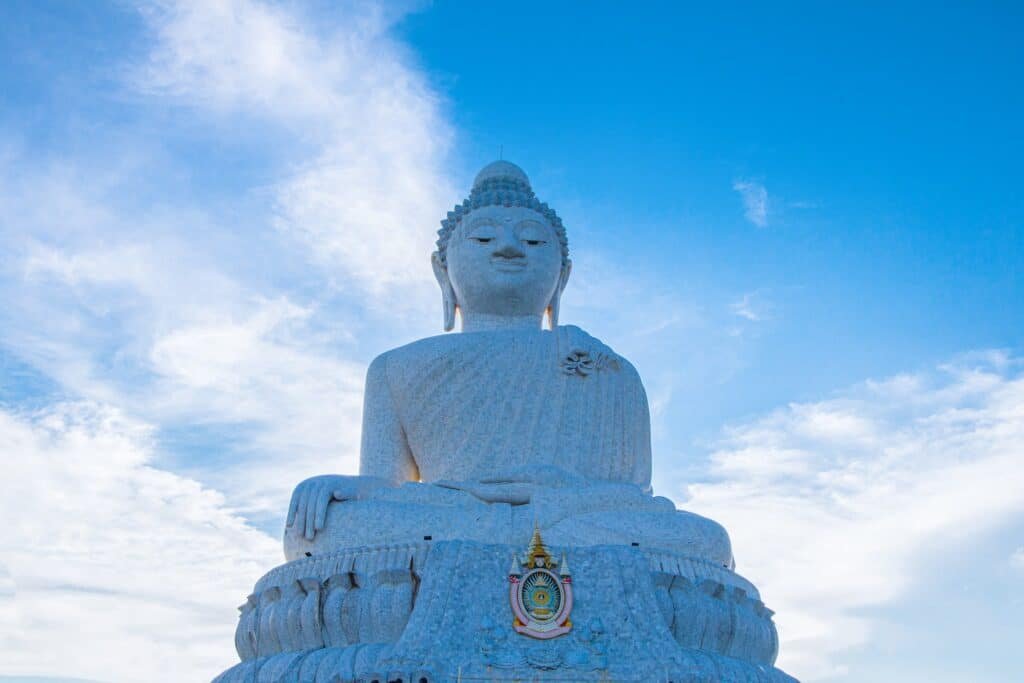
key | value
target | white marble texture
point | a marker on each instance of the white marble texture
(472, 440)
(435, 609)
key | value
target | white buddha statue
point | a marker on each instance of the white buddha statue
(484, 434)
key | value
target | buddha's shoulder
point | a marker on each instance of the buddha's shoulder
(574, 340)
(397, 363)
(445, 349)
(426, 349)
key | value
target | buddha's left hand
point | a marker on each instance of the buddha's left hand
(517, 493)
(515, 486)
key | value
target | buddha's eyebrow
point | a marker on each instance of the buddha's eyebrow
(480, 220)
(530, 222)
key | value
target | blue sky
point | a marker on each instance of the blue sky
(803, 225)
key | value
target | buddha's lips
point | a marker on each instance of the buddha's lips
(508, 264)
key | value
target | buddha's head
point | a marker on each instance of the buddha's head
(501, 252)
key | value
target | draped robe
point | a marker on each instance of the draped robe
(470, 406)
(555, 411)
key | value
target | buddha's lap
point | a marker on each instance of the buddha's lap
(421, 512)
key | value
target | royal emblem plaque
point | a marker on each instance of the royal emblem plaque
(540, 592)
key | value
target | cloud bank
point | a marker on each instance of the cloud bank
(102, 551)
(372, 128)
(831, 505)
(200, 356)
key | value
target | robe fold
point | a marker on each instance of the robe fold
(479, 404)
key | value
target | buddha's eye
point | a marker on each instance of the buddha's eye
(532, 234)
(482, 240)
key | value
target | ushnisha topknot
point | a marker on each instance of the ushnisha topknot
(500, 183)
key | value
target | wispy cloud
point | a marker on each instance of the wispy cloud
(154, 306)
(831, 504)
(165, 329)
(102, 549)
(368, 187)
(755, 201)
(751, 306)
(213, 351)
(1017, 559)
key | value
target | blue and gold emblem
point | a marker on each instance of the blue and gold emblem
(540, 592)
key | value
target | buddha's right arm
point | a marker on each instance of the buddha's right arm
(385, 460)
(384, 451)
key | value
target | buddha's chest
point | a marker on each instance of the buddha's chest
(480, 409)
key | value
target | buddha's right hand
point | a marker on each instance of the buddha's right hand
(308, 508)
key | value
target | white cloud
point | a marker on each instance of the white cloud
(154, 306)
(262, 368)
(751, 306)
(243, 324)
(368, 195)
(1017, 558)
(831, 504)
(755, 201)
(166, 331)
(115, 570)
(743, 309)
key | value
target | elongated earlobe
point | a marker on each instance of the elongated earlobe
(556, 299)
(448, 302)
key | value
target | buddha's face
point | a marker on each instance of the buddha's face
(504, 260)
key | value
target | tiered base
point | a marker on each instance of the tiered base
(439, 611)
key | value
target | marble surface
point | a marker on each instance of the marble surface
(569, 517)
(439, 610)
(470, 442)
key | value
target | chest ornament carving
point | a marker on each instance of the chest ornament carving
(582, 355)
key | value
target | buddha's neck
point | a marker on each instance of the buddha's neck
(486, 322)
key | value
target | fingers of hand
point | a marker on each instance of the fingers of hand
(310, 517)
(323, 499)
(300, 511)
(293, 507)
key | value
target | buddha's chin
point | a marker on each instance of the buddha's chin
(510, 302)
(517, 285)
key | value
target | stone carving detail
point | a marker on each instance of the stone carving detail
(338, 587)
(704, 613)
(308, 613)
(497, 648)
(390, 604)
(578, 363)
(355, 607)
(470, 443)
(591, 652)
(267, 642)
(584, 355)
(541, 600)
(245, 633)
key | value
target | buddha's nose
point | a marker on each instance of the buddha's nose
(508, 247)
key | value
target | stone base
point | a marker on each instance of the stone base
(435, 611)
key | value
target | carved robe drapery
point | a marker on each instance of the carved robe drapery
(463, 407)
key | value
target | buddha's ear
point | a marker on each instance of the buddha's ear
(556, 298)
(448, 302)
